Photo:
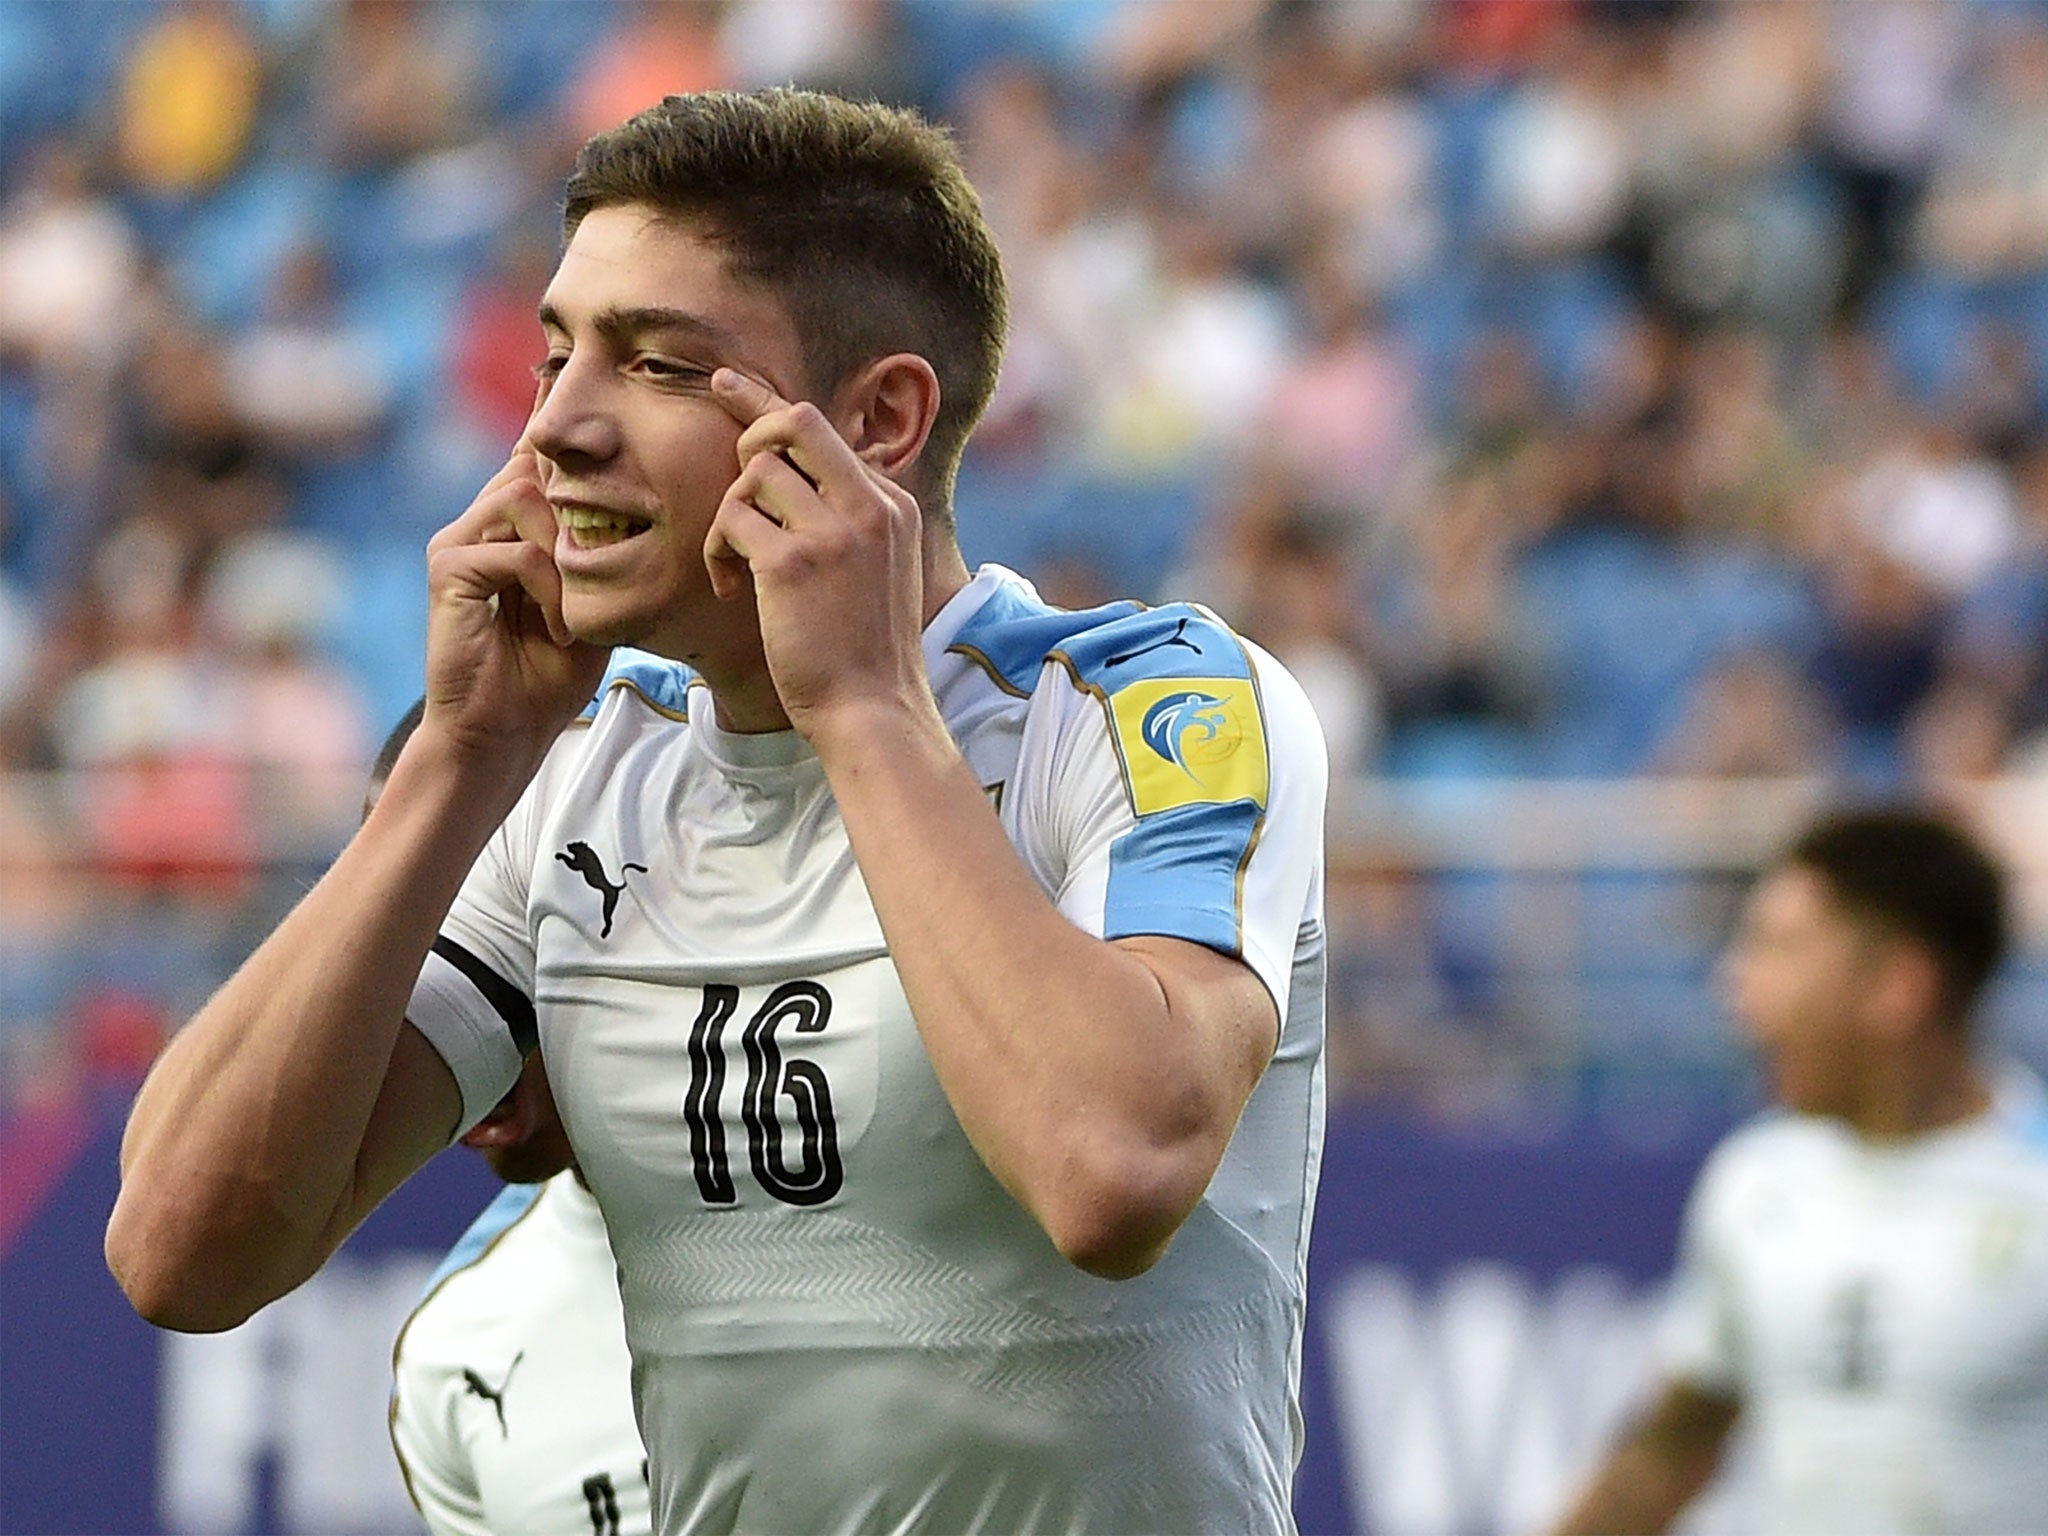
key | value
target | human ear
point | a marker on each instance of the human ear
(1906, 988)
(886, 411)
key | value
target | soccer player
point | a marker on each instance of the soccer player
(930, 980)
(511, 1409)
(1864, 1275)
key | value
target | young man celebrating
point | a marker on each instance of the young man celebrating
(1866, 1276)
(931, 981)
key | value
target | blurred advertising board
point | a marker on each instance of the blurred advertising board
(1479, 1321)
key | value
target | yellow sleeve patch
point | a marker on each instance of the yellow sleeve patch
(1191, 741)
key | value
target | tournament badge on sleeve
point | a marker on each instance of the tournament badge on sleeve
(1191, 741)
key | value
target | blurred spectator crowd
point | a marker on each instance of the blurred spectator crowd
(1647, 387)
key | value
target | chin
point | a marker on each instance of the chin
(1805, 1099)
(604, 624)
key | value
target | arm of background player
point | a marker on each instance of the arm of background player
(298, 1099)
(1663, 1460)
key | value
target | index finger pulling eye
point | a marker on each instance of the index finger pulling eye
(745, 396)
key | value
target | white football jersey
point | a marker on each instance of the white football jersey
(1881, 1311)
(511, 1410)
(839, 1320)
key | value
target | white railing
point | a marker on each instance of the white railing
(1516, 931)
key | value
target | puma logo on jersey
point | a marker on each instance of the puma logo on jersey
(1178, 637)
(495, 1396)
(582, 858)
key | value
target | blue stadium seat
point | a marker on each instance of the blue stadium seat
(229, 251)
(1456, 750)
(1005, 513)
(1624, 640)
(1922, 320)
(532, 48)
(380, 632)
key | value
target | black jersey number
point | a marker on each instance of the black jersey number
(803, 1007)
(602, 1498)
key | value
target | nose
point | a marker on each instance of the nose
(572, 423)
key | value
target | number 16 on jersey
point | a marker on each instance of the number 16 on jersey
(775, 1084)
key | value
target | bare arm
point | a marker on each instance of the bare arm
(1100, 1082)
(1657, 1467)
(297, 1099)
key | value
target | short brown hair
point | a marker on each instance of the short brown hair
(856, 215)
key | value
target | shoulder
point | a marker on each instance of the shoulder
(2021, 1105)
(2030, 1134)
(1015, 634)
(511, 1209)
(1769, 1150)
(2024, 1142)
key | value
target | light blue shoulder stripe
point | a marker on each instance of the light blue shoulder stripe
(2030, 1126)
(1014, 632)
(1177, 872)
(663, 683)
(1172, 641)
(493, 1222)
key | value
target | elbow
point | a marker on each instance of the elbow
(170, 1281)
(1120, 1223)
(153, 1286)
(1112, 1255)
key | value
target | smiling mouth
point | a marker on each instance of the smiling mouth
(589, 528)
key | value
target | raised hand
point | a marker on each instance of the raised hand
(503, 671)
(834, 550)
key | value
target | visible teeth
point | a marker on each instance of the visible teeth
(588, 527)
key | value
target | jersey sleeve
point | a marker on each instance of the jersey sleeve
(437, 1473)
(1698, 1338)
(1183, 805)
(474, 997)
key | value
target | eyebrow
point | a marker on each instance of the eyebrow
(639, 320)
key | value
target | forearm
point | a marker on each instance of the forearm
(243, 1163)
(1657, 1468)
(1071, 1064)
(1635, 1494)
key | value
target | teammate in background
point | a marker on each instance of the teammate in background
(511, 1409)
(931, 980)
(1864, 1275)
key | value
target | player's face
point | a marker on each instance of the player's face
(1797, 976)
(522, 1138)
(635, 453)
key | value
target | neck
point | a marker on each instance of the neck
(1929, 1084)
(945, 573)
(746, 701)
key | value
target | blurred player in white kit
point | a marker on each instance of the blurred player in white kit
(1863, 1277)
